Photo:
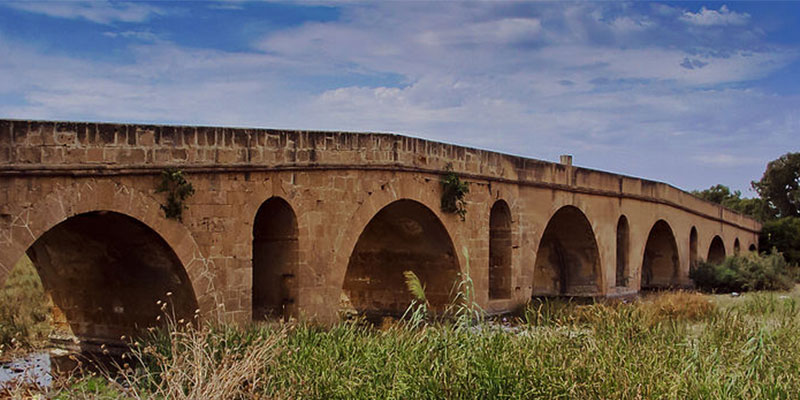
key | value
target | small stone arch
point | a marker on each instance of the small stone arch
(660, 263)
(405, 235)
(737, 247)
(567, 260)
(716, 251)
(500, 251)
(752, 247)
(623, 247)
(275, 260)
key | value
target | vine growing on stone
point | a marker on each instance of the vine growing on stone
(178, 189)
(453, 192)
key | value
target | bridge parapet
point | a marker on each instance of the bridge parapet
(75, 148)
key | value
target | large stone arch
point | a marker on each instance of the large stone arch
(30, 222)
(403, 236)
(275, 260)
(568, 260)
(660, 264)
(425, 191)
(108, 274)
(716, 251)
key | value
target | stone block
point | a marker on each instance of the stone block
(52, 155)
(5, 133)
(94, 155)
(145, 137)
(132, 156)
(29, 155)
(75, 155)
(106, 134)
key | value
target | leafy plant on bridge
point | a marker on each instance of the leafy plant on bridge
(453, 192)
(178, 189)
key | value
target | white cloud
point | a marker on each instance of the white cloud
(99, 11)
(724, 16)
(568, 79)
(145, 36)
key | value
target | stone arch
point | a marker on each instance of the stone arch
(85, 196)
(500, 251)
(716, 252)
(693, 248)
(752, 247)
(275, 260)
(623, 247)
(737, 247)
(403, 236)
(660, 263)
(105, 272)
(568, 260)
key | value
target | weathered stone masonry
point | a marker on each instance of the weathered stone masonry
(343, 214)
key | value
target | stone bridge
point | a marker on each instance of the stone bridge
(304, 224)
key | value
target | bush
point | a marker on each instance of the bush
(745, 272)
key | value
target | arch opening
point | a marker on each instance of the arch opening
(275, 260)
(693, 248)
(500, 251)
(716, 252)
(567, 261)
(403, 236)
(752, 247)
(105, 271)
(737, 247)
(623, 240)
(660, 264)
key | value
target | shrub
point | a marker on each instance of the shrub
(745, 272)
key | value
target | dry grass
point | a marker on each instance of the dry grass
(677, 306)
(204, 363)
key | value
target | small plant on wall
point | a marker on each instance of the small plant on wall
(178, 189)
(453, 192)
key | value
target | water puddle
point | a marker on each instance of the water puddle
(38, 368)
(35, 368)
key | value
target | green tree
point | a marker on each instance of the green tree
(784, 235)
(780, 185)
(721, 194)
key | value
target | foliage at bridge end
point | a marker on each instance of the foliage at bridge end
(453, 192)
(178, 189)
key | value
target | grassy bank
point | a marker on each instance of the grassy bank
(675, 345)
(25, 320)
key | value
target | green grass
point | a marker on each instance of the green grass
(25, 320)
(665, 345)
(660, 347)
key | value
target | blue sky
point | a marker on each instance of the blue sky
(691, 93)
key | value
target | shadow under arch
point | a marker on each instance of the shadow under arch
(693, 248)
(500, 251)
(716, 251)
(105, 272)
(660, 264)
(568, 260)
(403, 236)
(623, 273)
(275, 260)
